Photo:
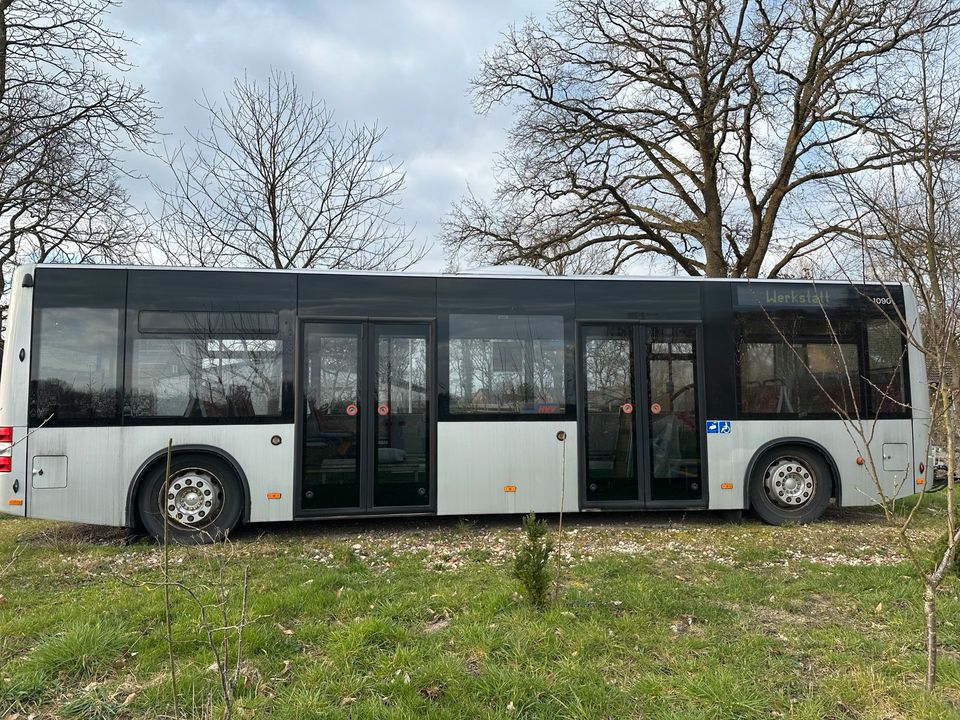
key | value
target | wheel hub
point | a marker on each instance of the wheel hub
(193, 497)
(789, 482)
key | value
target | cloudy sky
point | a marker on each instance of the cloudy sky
(405, 64)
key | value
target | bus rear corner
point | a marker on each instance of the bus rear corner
(14, 384)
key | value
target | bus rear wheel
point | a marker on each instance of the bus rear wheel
(201, 504)
(790, 484)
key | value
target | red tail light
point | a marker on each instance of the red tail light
(6, 437)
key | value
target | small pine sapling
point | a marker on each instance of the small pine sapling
(531, 565)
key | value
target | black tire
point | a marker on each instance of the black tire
(790, 484)
(197, 480)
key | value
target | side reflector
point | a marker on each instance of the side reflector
(920, 481)
(860, 460)
(14, 501)
(6, 434)
(509, 488)
(5, 463)
(726, 486)
(274, 496)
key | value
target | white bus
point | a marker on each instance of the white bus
(291, 395)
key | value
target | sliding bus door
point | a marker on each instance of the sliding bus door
(400, 436)
(367, 424)
(640, 419)
(332, 460)
(609, 419)
(672, 422)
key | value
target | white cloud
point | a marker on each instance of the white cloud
(405, 65)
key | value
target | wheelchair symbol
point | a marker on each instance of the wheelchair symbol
(719, 427)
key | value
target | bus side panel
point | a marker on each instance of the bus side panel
(506, 467)
(729, 456)
(14, 384)
(919, 391)
(101, 462)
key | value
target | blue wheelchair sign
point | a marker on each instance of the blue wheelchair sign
(719, 427)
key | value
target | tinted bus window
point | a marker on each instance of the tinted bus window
(798, 365)
(209, 346)
(886, 361)
(507, 364)
(75, 375)
(75, 360)
(209, 322)
(205, 377)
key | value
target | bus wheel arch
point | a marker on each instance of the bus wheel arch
(791, 459)
(157, 463)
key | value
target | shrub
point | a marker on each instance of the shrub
(531, 565)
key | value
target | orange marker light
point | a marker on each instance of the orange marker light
(274, 496)
(509, 488)
(920, 481)
(14, 501)
(726, 486)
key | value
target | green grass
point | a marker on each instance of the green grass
(660, 617)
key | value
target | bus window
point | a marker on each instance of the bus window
(886, 357)
(75, 373)
(507, 364)
(205, 377)
(798, 365)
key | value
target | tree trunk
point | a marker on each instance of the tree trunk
(930, 613)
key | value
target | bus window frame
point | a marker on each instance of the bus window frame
(855, 314)
(500, 296)
(143, 295)
(41, 301)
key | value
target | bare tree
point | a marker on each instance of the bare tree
(906, 223)
(699, 132)
(274, 182)
(66, 114)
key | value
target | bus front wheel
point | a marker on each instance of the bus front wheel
(201, 503)
(790, 484)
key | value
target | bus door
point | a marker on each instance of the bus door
(640, 423)
(367, 418)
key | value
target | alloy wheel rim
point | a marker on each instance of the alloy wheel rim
(789, 482)
(193, 499)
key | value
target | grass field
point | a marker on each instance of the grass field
(661, 616)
